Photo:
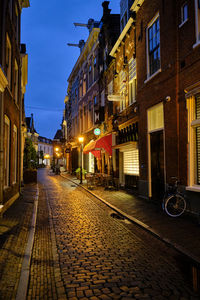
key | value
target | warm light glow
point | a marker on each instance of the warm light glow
(81, 139)
(57, 149)
(47, 156)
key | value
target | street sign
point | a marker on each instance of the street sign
(97, 131)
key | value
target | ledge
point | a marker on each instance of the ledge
(193, 188)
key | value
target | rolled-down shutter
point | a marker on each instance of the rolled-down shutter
(198, 139)
(131, 162)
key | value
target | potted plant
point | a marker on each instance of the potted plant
(30, 162)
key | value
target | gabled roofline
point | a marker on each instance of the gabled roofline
(121, 37)
(92, 34)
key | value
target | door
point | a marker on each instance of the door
(157, 165)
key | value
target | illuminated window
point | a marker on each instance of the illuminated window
(16, 81)
(132, 81)
(131, 162)
(15, 158)
(84, 84)
(155, 117)
(6, 151)
(193, 105)
(8, 60)
(122, 86)
(153, 46)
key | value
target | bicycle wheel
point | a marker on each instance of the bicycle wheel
(175, 205)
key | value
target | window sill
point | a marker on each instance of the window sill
(196, 44)
(193, 188)
(183, 23)
(152, 76)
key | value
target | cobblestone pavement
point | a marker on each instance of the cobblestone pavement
(14, 229)
(99, 257)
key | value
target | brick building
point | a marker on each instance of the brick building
(13, 68)
(168, 61)
(86, 100)
(150, 91)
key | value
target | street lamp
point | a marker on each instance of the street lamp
(81, 139)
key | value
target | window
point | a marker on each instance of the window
(15, 158)
(184, 13)
(153, 46)
(8, 60)
(81, 88)
(193, 105)
(95, 100)
(132, 81)
(197, 22)
(16, 81)
(84, 84)
(6, 151)
(122, 85)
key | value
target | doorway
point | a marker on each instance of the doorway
(157, 165)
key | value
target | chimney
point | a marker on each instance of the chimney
(106, 10)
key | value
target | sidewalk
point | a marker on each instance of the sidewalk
(181, 233)
(14, 231)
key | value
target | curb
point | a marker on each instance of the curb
(25, 270)
(195, 260)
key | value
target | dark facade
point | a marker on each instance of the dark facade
(12, 82)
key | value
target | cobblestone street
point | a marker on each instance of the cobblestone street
(99, 257)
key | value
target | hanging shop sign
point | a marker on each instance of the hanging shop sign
(97, 131)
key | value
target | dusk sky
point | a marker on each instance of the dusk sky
(47, 27)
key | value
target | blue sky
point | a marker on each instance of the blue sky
(47, 27)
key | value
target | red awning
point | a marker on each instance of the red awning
(95, 147)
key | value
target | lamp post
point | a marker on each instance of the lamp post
(81, 139)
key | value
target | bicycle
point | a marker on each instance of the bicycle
(174, 203)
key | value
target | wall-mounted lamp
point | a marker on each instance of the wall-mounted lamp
(167, 99)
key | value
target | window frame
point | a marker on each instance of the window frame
(8, 60)
(6, 152)
(15, 153)
(183, 19)
(149, 74)
(132, 81)
(193, 123)
(197, 22)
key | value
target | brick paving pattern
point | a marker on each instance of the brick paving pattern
(44, 282)
(177, 230)
(14, 229)
(101, 259)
